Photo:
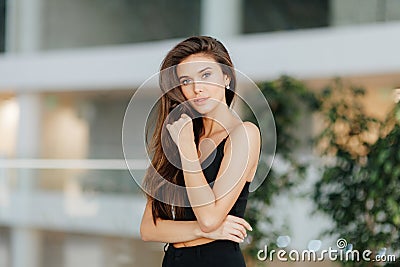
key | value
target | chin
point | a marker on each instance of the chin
(204, 110)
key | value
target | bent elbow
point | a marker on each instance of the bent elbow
(145, 233)
(208, 225)
(144, 237)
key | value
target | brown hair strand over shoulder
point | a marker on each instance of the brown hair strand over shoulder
(172, 97)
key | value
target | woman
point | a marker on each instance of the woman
(198, 82)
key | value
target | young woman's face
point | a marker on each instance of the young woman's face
(202, 82)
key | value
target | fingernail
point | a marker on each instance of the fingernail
(251, 228)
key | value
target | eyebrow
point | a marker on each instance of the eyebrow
(200, 71)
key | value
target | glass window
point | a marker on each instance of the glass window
(279, 15)
(82, 23)
(87, 125)
(2, 24)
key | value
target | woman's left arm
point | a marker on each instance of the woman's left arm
(211, 205)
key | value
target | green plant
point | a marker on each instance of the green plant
(360, 187)
(360, 184)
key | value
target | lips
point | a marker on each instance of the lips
(200, 100)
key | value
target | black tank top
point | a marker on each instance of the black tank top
(212, 164)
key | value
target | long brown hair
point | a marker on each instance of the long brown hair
(160, 165)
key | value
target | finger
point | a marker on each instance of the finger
(238, 233)
(241, 221)
(240, 228)
(235, 239)
(170, 128)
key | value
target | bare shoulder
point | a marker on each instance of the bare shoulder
(244, 145)
(252, 129)
(246, 131)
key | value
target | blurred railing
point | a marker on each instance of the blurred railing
(90, 196)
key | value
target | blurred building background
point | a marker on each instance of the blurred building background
(68, 69)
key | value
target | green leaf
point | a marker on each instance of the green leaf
(396, 219)
(387, 167)
(374, 176)
(396, 172)
(383, 155)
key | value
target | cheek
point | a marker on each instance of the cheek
(217, 92)
(186, 93)
(216, 80)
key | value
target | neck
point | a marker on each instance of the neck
(220, 119)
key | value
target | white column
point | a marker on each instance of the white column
(28, 139)
(23, 25)
(29, 124)
(23, 35)
(26, 242)
(221, 18)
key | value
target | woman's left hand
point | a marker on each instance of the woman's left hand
(181, 131)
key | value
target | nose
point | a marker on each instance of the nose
(198, 87)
